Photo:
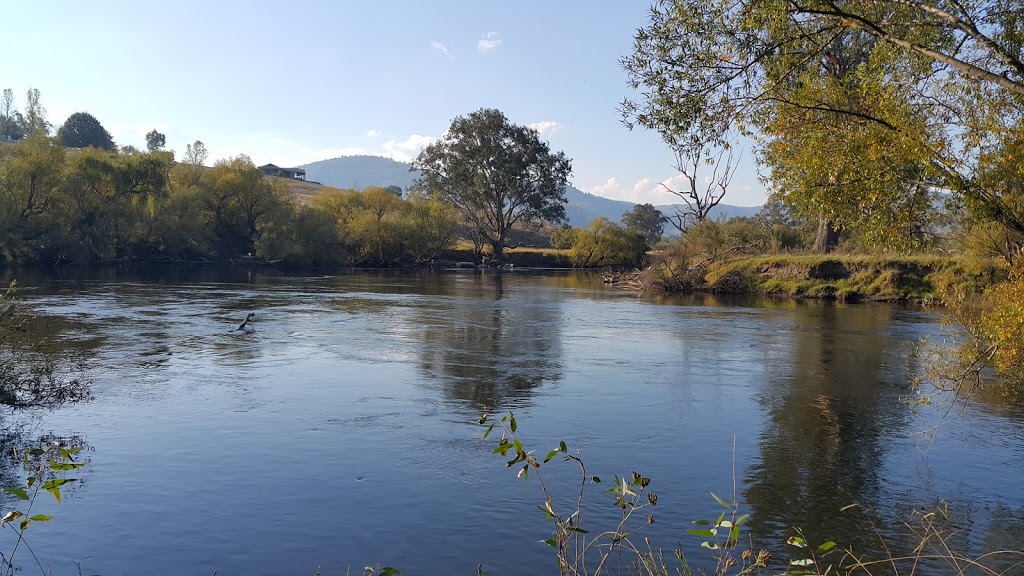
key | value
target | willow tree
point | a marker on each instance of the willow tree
(497, 174)
(807, 75)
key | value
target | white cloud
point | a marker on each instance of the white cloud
(608, 189)
(645, 190)
(440, 47)
(488, 43)
(406, 150)
(373, 133)
(546, 128)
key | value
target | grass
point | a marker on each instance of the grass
(851, 277)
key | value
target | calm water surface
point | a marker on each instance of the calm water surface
(342, 431)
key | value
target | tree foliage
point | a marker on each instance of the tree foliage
(497, 174)
(82, 130)
(155, 141)
(646, 220)
(861, 108)
(605, 243)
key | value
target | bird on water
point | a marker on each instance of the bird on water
(245, 323)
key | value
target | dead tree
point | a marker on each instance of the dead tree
(700, 195)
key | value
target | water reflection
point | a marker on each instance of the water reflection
(832, 411)
(487, 351)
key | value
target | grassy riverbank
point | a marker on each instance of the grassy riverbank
(840, 277)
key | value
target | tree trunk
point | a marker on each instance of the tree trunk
(827, 239)
(497, 250)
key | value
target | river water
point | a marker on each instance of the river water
(342, 432)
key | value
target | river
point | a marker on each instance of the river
(342, 431)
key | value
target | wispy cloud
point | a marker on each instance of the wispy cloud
(373, 133)
(488, 43)
(440, 47)
(546, 128)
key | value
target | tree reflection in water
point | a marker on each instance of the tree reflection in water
(489, 351)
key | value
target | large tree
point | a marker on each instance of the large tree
(12, 124)
(646, 220)
(82, 130)
(931, 84)
(497, 174)
(155, 141)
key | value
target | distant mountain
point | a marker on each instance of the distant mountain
(358, 172)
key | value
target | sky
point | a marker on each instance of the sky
(296, 82)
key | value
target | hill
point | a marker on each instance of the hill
(358, 172)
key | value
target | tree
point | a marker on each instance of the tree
(645, 220)
(700, 196)
(12, 124)
(497, 174)
(605, 243)
(155, 141)
(35, 115)
(196, 154)
(950, 77)
(82, 130)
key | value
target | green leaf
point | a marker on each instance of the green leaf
(20, 493)
(30, 481)
(826, 546)
(595, 479)
(551, 542)
(723, 503)
(702, 523)
(41, 518)
(483, 419)
(389, 571)
(512, 422)
(56, 493)
(59, 466)
(734, 534)
(489, 429)
(57, 482)
(36, 452)
(518, 445)
(718, 522)
(742, 519)
(25, 523)
(67, 453)
(580, 530)
(562, 446)
(797, 541)
(701, 533)
(550, 455)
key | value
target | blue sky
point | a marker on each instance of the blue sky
(295, 82)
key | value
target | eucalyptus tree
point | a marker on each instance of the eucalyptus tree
(155, 141)
(863, 108)
(497, 174)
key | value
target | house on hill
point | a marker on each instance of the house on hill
(293, 173)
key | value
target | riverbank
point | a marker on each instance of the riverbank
(920, 278)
